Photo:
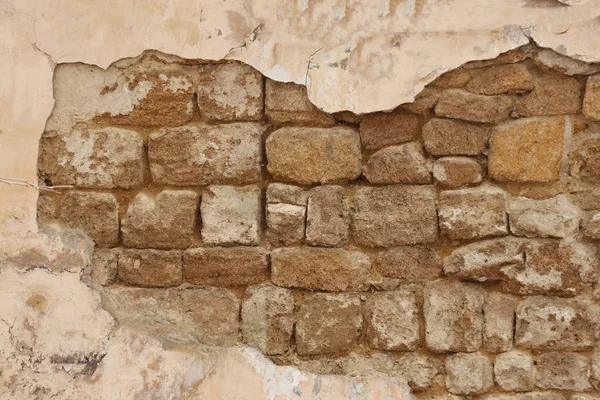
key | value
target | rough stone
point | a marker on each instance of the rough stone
(231, 215)
(104, 266)
(473, 213)
(314, 155)
(379, 130)
(163, 221)
(399, 164)
(320, 269)
(394, 215)
(230, 92)
(552, 95)
(424, 101)
(453, 79)
(498, 322)
(328, 323)
(595, 365)
(452, 137)
(410, 262)
(96, 214)
(590, 227)
(286, 194)
(591, 100)
(585, 158)
(508, 78)
(47, 210)
(563, 371)
(150, 268)
(453, 316)
(460, 104)
(550, 323)
(454, 172)
(206, 154)
(527, 396)
(225, 266)
(392, 323)
(418, 369)
(514, 372)
(527, 150)
(328, 219)
(556, 217)
(549, 58)
(268, 318)
(286, 214)
(469, 373)
(289, 103)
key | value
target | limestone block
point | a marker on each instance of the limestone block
(551, 95)
(590, 227)
(453, 137)
(104, 266)
(394, 215)
(591, 100)
(499, 79)
(456, 78)
(498, 322)
(206, 154)
(163, 221)
(320, 269)
(225, 266)
(527, 396)
(287, 194)
(409, 262)
(392, 323)
(453, 316)
(328, 323)
(314, 155)
(231, 215)
(460, 104)
(47, 210)
(379, 130)
(514, 371)
(527, 150)
(286, 214)
(585, 158)
(418, 369)
(96, 214)
(563, 371)
(454, 172)
(268, 318)
(549, 58)
(230, 92)
(399, 164)
(556, 217)
(469, 373)
(328, 219)
(289, 103)
(150, 268)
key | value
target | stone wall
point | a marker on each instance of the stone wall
(449, 242)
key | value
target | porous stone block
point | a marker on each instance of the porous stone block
(556, 217)
(591, 100)
(320, 269)
(286, 214)
(47, 210)
(552, 95)
(230, 92)
(527, 150)
(499, 79)
(394, 215)
(328, 218)
(514, 371)
(453, 314)
(225, 266)
(550, 323)
(314, 155)
(419, 370)
(393, 321)
(96, 214)
(163, 221)
(453, 79)
(289, 103)
(150, 268)
(286, 194)
(206, 154)
(231, 215)
(454, 172)
(104, 266)
(595, 365)
(409, 262)
(590, 227)
(498, 322)
(460, 104)
(563, 371)
(443, 137)
(469, 373)
(585, 158)
(268, 318)
(379, 130)
(328, 323)
(473, 213)
(527, 396)
(94, 158)
(399, 164)
(550, 59)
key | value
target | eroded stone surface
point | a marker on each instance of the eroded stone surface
(556, 217)
(591, 101)
(150, 268)
(563, 371)
(328, 219)
(499, 318)
(393, 321)
(286, 214)
(287, 102)
(452, 137)
(460, 104)
(410, 262)
(508, 78)
(585, 158)
(552, 95)
(104, 266)
(379, 130)
(225, 266)
(514, 371)
(454, 172)
(469, 373)
(419, 370)
(399, 164)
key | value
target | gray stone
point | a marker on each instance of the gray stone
(556, 217)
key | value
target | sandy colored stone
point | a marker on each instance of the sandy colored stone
(314, 155)
(514, 371)
(96, 214)
(394, 215)
(268, 318)
(498, 322)
(424, 101)
(590, 226)
(454, 172)
(453, 79)
(379, 130)
(206, 154)
(469, 373)
(287, 102)
(104, 266)
(231, 215)
(595, 365)
(453, 137)
(418, 369)
(286, 214)
(550, 323)
(332, 270)
(548, 58)
(552, 95)
(460, 104)
(287, 194)
(527, 396)
(556, 217)
(409, 262)
(328, 323)
(527, 150)
(163, 221)
(225, 266)
(585, 158)
(392, 322)
(453, 316)
(150, 268)
(399, 164)
(473, 213)
(591, 100)
(563, 371)
(499, 79)
(327, 219)
(47, 210)
(230, 92)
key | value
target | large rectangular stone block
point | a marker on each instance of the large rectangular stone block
(96, 214)
(460, 104)
(287, 102)
(393, 321)
(328, 218)
(150, 268)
